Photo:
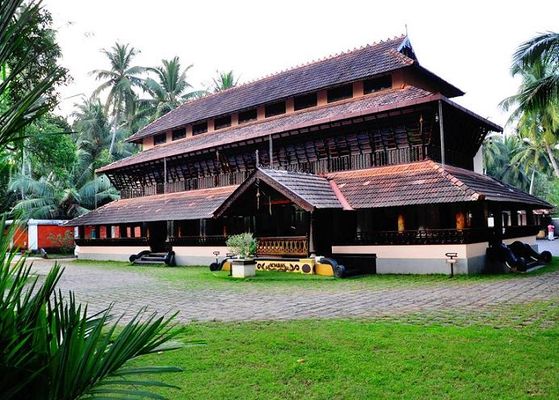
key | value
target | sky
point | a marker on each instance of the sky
(468, 43)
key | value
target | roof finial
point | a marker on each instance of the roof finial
(406, 26)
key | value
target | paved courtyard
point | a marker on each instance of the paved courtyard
(130, 289)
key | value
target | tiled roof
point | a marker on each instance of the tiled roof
(308, 191)
(189, 205)
(369, 104)
(425, 182)
(347, 67)
(314, 189)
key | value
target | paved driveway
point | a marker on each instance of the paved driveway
(130, 290)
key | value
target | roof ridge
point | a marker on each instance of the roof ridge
(456, 182)
(275, 74)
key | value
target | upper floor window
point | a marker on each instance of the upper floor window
(197, 129)
(305, 101)
(248, 115)
(179, 133)
(222, 122)
(376, 84)
(339, 93)
(160, 139)
(274, 109)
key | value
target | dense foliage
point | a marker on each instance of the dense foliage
(51, 173)
(528, 158)
(54, 349)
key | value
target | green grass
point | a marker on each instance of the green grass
(363, 360)
(202, 277)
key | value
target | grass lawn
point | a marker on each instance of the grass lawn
(363, 360)
(202, 277)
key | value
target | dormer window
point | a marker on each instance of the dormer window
(160, 139)
(339, 93)
(222, 122)
(274, 109)
(197, 129)
(248, 115)
(179, 133)
(305, 101)
(376, 84)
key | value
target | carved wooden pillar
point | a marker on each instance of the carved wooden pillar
(311, 233)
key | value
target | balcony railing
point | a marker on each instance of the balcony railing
(422, 236)
(323, 166)
(297, 246)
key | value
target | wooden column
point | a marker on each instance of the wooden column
(311, 233)
(441, 132)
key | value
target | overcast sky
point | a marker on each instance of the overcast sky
(468, 43)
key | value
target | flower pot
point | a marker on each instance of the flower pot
(243, 268)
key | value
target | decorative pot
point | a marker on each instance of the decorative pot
(243, 268)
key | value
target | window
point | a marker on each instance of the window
(246, 116)
(304, 101)
(376, 84)
(274, 109)
(222, 122)
(179, 133)
(197, 129)
(339, 93)
(160, 139)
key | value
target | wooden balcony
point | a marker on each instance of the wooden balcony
(333, 164)
(422, 236)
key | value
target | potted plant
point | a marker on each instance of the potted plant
(244, 247)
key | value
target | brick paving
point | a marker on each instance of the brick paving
(129, 290)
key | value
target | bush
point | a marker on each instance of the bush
(51, 348)
(243, 245)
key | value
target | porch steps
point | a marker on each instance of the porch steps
(152, 258)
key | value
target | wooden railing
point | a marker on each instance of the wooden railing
(334, 164)
(422, 236)
(283, 246)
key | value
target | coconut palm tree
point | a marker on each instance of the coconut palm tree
(48, 198)
(94, 137)
(170, 88)
(544, 50)
(120, 80)
(500, 160)
(224, 81)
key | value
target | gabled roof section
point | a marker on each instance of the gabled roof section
(194, 204)
(425, 182)
(308, 191)
(355, 107)
(353, 65)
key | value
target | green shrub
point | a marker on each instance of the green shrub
(52, 348)
(243, 245)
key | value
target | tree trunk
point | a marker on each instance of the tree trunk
(552, 160)
(532, 181)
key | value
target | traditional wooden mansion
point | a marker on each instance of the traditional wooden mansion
(362, 158)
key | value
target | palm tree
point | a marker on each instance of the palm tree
(121, 80)
(170, 88)
(48, 198)
(536, 122)
(544, 50)
(93, 137)
(224, 81)
(500, 160)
